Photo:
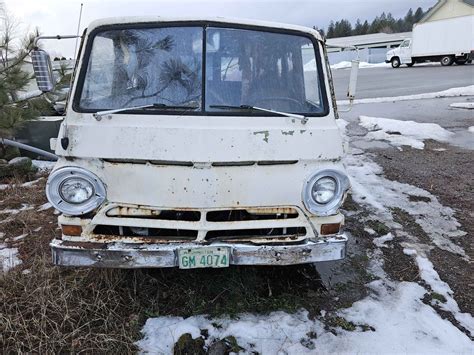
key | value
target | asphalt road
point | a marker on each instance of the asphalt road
(386, 82)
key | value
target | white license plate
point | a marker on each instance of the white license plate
(195, 258)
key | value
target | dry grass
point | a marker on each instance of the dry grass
(45, 309)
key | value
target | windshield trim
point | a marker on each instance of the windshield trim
(204, 24)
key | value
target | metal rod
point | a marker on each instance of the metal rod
(29, 148)
(78, 28)
(54, 37)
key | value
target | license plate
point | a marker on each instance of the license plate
(195, 258)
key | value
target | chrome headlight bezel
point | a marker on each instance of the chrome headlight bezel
(57, 179)
(329, 208)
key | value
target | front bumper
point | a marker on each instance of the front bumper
(133, 256)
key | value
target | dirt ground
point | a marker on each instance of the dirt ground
(447, 172)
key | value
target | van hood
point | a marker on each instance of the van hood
(200, 138)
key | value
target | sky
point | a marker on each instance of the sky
(54, 17)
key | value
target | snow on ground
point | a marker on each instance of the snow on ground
(380, 241)
(454, 92)
(431, 277)
(400, 133)
(24, 207)
(44, 206)
(400, 323)
(370, 188)
(471, 129)
(8, 258)
(466, 105)
(362, 65)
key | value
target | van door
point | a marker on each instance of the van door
(405, 51)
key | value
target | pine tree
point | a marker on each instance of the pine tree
(409, 20)
(14, 111)
(330, 33)
(365, 27)
(357, 28)
(419, 13)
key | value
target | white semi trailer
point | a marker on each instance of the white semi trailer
(446, 41)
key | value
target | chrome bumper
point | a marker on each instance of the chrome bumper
(133, 256)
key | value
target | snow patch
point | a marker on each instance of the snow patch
(8, 258)
(362, 65)
(31, 183)
(44, 206)
(431, 277)
(471, 129)
(465, 105)
(400, 133)
(24, 207)
(380, 241)
(20, 237)
(454, 92)
(402, 323)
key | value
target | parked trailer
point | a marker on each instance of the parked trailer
(446, 41)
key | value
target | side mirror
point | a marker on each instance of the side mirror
(43, 70)
(351, 92)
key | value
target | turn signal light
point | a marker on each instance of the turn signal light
(74, 231)
(330, 228)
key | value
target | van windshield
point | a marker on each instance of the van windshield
(172, 66)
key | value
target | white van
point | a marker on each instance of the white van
(198, 143)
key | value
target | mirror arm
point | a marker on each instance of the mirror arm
(38, 38)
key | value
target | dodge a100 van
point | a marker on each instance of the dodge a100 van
(197, 143)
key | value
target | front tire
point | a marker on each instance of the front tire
(447, 60)
(395, 62)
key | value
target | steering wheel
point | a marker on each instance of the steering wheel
(282, 98)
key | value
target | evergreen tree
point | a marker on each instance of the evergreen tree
(358, 30)
(385, 23)
(330, 33)
(343, 28)
(365, 27)
(409, 20)
(13, 78)
(419, 13)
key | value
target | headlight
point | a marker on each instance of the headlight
(75, 191)
(323, 192)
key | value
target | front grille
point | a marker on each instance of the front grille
(245, 225)
(162, 233)
(150, 213)
(262, 233)
(250, 215)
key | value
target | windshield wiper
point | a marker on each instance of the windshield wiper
(302, 118)
(100, 114)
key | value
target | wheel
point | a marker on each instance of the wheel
(447, 60)
(460, 61)
(395, 62)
